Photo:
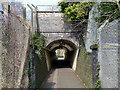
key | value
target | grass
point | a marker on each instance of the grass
(60, 56)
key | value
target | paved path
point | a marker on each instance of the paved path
(62, 78)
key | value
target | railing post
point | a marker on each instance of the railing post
(24, 11)
(31, 18)
(35, 19)
(6, 8)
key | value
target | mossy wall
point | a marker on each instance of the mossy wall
(14, 47)
(40, 69)
(84, 67)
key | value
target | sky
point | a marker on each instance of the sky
(37, 2)
(41, 2)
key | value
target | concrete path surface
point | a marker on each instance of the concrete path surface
(62, 78)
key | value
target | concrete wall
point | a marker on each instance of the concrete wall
(54, 26)
(84, 67)
(119, 56)
(71, 52)
(15, 37)
(108, 54)
(49, 59)
(92, 28)
(1, 47)
(41, 70)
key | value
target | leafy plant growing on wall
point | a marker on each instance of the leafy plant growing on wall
(38, 43)
(98, 83)
(75, 10)
(77, 13)
(109, 11)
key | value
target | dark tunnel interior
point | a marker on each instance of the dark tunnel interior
(60, 54)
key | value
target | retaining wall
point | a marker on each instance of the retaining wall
(84, 67)
(15, 43)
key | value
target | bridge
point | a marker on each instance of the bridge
(61, 35)
(68, 60)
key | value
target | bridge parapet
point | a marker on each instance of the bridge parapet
(45, 8)
(55, 22)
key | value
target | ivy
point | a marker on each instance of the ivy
(38, 43)
(98, 69)
(98, 83)
(109, 11)
(75, 10)
(63, 5)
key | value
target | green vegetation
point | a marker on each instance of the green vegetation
(60, 56)
(98, 69)
(77, 13)
(94, 47)
(118, 57)
(109, 11)
(80, 10)
(84, 67)
(75, 10)
(38, 43)
(98, 83)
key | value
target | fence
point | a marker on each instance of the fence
(108, 54)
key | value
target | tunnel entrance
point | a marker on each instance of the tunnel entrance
(61, 54)
(61, 61)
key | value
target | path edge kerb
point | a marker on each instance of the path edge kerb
(79, 77)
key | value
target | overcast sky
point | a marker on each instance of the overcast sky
(41, 2)
(37, 2)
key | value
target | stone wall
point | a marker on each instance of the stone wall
(15, 42)
(92, 27)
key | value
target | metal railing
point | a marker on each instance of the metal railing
(47, 9)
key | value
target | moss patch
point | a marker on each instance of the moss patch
(84, 67)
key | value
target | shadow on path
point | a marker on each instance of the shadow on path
(62, 78)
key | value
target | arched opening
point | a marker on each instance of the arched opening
(61, 53)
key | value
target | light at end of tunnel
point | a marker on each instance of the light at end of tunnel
(60, 54)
